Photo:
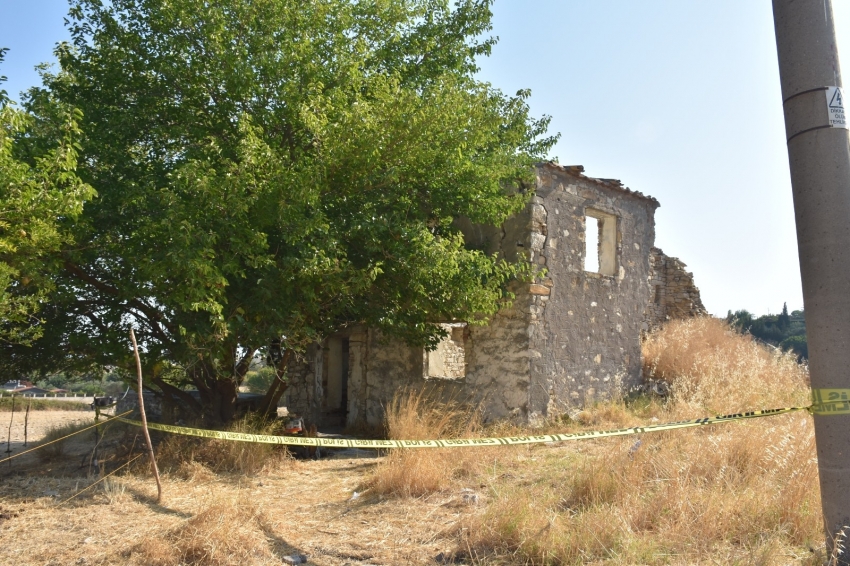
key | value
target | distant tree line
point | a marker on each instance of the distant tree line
(107, 383)
(787, 331)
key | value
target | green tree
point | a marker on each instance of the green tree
(39, 195)
(788, 331)
(276, 170)
(784, 319)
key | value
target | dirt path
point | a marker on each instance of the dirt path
(309, 506)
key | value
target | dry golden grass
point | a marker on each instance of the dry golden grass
(225, 533)
(416, 472)
(180, 453)
(709, 366)
(735, 494)
(54, 443)
(743, 492)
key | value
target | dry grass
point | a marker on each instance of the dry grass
(732, 494)
(20, 404)
(183, 454)
(417, 472)
(711, 367)
(226, 533)
(54, 443)
(736, 493)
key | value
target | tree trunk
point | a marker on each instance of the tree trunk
(170, 392)
(277, 388)
(222, 408)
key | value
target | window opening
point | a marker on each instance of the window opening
(448, 360)
(600, 254)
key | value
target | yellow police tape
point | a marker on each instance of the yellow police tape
(826, 402)
(830, 401)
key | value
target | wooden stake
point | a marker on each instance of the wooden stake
(9, 437)
(145, 419)
(26, 422)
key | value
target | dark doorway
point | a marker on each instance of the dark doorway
(336, 381)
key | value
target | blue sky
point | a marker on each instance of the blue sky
(678, 99)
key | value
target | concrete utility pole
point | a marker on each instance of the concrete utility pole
(819, 155)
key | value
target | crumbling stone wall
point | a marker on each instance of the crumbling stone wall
(674, 293)
(585, 342)
(448, 360)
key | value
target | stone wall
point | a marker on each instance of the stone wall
(674, 294)
(585, 334)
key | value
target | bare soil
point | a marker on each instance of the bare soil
(15, 428)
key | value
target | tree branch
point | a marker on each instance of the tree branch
(155, 318)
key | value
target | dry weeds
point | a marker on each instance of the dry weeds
(176, 453)
(414, 472)
(225, 533)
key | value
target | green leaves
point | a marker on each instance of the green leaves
(40, 194)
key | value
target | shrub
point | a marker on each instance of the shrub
(53, 445)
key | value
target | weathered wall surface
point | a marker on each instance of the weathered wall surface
(301, 374)
(496, 374)
(674, 293)
(585, 342)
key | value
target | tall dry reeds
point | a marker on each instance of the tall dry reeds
(743, 492)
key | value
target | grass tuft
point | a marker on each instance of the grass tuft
(418, 472)
(53, 446)
(226, 533)
(186, 455)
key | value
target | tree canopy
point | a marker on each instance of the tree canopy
(274, 170)
(39, 195)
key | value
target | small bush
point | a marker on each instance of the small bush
(53, 445)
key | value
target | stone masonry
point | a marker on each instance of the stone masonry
(571, 337)
(674, 294)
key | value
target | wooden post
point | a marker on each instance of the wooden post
(9, 437)
(145, 419)
(26, 422)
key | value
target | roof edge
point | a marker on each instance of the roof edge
(577, 171)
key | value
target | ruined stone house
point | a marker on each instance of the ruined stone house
(570, 338)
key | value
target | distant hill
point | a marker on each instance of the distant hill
(787, 331)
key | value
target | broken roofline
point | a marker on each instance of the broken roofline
(578, 172)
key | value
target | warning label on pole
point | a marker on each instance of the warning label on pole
(835, 106)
